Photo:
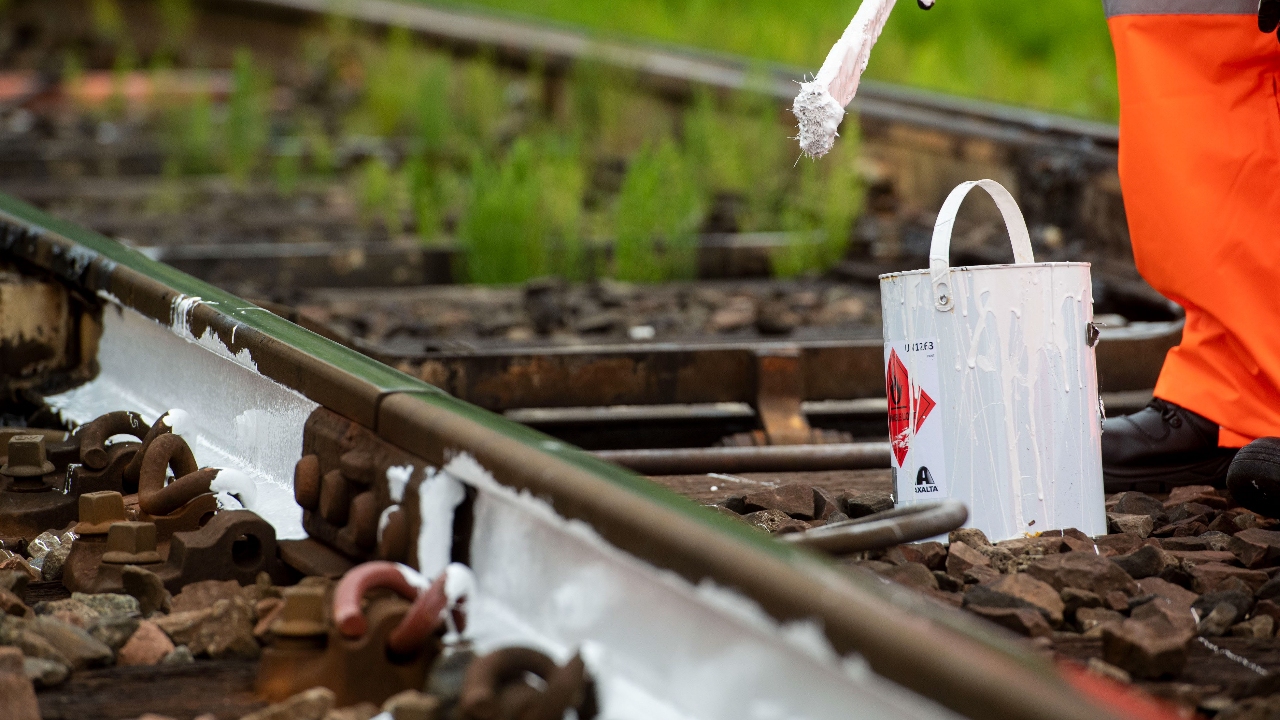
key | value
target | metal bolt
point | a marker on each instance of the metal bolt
(26, 463)
(303, 612)
(99, 511)
(131, 543)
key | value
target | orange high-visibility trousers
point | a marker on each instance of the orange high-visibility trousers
(1200, 174)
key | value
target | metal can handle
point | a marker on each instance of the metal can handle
(940, 247)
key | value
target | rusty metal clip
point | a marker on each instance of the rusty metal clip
(496, 687)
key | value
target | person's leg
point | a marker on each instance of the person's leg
(1200, 173)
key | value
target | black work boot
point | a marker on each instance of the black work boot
(1254, 477)
(1160, 447)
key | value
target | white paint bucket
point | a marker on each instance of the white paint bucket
(993, 386)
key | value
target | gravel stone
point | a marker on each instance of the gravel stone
(114, 631)
(1018, 590)
(962, 557)
(1145, 649)
(1214, 576)
(1137, 503)
(973, 537)
(148, 589)
(1020, 620)
(1083, 570)
(1260, 626)
(222, 631)
(1215, 624)
(1140, 525)
(45, 673)
(311, 704)
(775, 521)
(203, 594)
(1089, 618)
(862, 504)
(80, 648)
(147, 646)
(913, 575)
(1147, 561)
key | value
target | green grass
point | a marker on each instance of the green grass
(1054, 55)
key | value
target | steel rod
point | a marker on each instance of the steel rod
(769, 458)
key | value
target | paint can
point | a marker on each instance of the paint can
(992, 384)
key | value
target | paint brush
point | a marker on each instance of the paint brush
(820, 105)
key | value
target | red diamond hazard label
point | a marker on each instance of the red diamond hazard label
(901, 395)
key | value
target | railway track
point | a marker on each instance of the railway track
(915, 145)
(256, 393)
(346, 448)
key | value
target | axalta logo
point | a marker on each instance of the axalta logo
(924, 481)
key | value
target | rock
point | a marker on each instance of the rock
(1140, 525)
(979, 574)
(1217, 541)
(45, 673)
(1120, 543)
(11, 604)
(1200, 557)
(412, 705)
(311, 704)
(19, 634)
(946, 583)
(267, 609)
(961, 558)
(1145, 649)
(862, 504)
(776, 318)
(1190, 544)
(148, 589)
(824, 506)
(114, 631)
(1202, 494)
(1001, 559)
(363, 711)
(1089, 618)
(1191, 527)
(14, 582)
(1020, 620)
(1137, 503)
(181, 655)
(973, 537)
(932, 554)
(17, 696)
(1162, 588)
(1241, 602)
(17, 563)
(1234, 520)
(1101, 667)
(913, 575)
(1083, 570)
(1212, 576)
(1259, 626)
(739, 313)
(222, 631)
(147, 646)
(1147, 561)
(108, 604)
(1018, 590)
(70, 610)
(1216, 623)
(775, 521)
(1177, 615)
(203, 594)
(1255, 548)
(1074, 598)
(80, 649)
(1270, 589)
(1031, 546)
(51, 569)
(1269, 608)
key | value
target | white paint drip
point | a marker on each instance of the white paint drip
(658, 647)
(385, 518)
(232, 416)
(397, 478)
(237, 484)
(439, 495)
(179, 421)
(820, 105)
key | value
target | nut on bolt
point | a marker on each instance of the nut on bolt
(26, 458)
(131, 543)
(99, 511)
(303, 613)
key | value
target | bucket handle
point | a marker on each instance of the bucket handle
(940, 248)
